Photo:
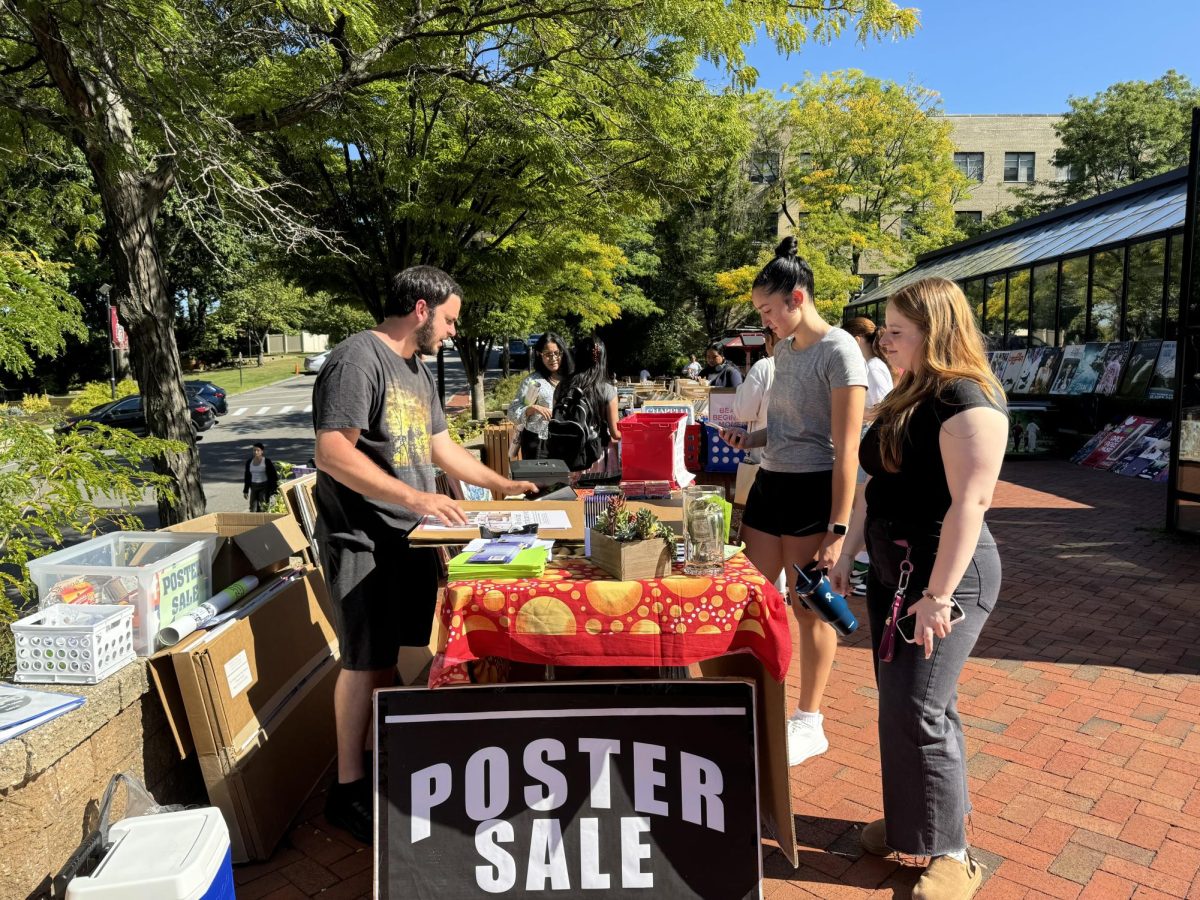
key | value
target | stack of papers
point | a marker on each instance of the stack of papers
(509, 556)
(22, 709)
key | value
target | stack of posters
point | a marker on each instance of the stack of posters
(1139, 369)
(1150, 456)
(1118, 441)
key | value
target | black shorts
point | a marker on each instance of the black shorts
(384, 592)
(789, 504)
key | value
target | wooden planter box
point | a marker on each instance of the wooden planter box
(631, 560)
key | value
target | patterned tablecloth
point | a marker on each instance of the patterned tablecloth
(577, 615)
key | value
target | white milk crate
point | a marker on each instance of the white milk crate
(73, 644)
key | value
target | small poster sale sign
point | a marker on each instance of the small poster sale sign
(598, 789)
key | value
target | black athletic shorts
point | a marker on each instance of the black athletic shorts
(789, 504)
(384, 592)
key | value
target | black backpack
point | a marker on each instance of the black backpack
(574, 435)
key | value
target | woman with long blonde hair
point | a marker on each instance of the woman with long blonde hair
(933, 455)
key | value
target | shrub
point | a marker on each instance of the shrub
(36, 403)
(504, 391)
(95, 393)
(463, 428)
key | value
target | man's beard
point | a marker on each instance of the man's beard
(426, 345)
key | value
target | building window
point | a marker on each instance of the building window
(970, 164)
(764, 167)
(804, 161)
(1018, 167)
(968, 220)
(974, 291)
(1174, 285)
(993, 312)
(1065, 173)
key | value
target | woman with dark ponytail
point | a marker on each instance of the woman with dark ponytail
(799, 507)
(590, 384)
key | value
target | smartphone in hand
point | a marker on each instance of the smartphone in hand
(906, 625)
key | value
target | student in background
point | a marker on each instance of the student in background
(261, 479)
(720, 372)
(750, 402)
(693, 368)
(533, 406)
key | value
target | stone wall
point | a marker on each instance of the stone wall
(53, 777)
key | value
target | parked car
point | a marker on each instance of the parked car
(312, 364)
(206, 390)
(127, 413)
(518, 354)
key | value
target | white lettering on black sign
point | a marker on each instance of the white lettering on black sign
(615, 800)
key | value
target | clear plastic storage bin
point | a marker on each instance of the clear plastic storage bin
(66, 644)
(161, 574)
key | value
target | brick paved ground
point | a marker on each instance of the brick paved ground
(1081, 705)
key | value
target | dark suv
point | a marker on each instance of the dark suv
(518, 354)
(127, 413)
(213, 394)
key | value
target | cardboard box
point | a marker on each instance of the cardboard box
(254, 699)
(248, 543)
(274, 774)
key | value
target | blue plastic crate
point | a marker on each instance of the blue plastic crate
(718, 455)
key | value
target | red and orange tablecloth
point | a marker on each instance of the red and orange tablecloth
(575, 614)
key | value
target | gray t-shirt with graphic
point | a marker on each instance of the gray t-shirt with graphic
(394, 403)
(799, 413)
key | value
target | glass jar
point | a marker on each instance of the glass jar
(703, 530)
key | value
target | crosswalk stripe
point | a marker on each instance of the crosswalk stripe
(238, 412)
(263, 410)
(286, 409)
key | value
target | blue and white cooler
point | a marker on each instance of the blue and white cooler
(171, 856)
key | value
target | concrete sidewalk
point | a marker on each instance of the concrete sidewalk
(1081, 705)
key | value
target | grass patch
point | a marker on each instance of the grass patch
(251, 376)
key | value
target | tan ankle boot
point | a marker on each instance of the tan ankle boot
(873, 838)
(948, 879)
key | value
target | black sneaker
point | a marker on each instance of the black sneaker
(350, 806)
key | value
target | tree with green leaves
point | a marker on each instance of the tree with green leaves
(1130, 131)
(163, 98)
(869, 173)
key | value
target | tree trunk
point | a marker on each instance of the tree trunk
(146, 306)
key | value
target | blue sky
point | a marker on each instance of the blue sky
(1000, 57)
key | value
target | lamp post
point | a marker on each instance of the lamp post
(105, 290)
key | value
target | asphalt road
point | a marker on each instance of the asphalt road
(279, 416)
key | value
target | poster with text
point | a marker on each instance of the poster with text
(1012, 370)
(598, 789)
(1118, 442)
(1150, 456)
(1162, 382)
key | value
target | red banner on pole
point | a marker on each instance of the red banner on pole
(120, 340)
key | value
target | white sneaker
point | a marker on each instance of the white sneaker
(805, 740)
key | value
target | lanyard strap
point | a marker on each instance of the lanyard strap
(887, 645)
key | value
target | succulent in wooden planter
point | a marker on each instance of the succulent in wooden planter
(631, 546)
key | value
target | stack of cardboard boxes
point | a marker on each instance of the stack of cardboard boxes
(253, 697)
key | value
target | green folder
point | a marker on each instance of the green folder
(529, 563)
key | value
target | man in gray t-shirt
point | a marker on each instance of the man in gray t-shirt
(380, 433)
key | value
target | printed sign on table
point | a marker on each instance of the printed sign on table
(599, 789)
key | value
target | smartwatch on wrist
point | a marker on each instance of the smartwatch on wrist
(839, 529)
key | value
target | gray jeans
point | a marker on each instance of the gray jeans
(921, 743)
